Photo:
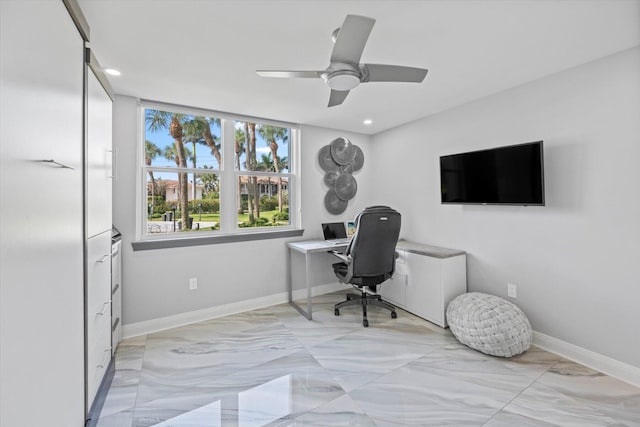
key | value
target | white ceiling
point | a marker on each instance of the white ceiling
(204, 53)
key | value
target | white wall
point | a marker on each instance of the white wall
(576, 261)
(155, 282)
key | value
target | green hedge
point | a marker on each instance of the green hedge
(208, 205)
(268, 203)
(281, 216)
(160, 206)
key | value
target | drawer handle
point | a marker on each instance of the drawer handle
(105, 306)
(104, 258)
(108, 154)
(115, 289)
(105, 359)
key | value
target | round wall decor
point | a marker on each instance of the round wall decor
(326, 161)
(334, 204)
(330, 178)
(342, 151)
(340, 159)
(346, 186)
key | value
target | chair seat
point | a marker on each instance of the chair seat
(342, 270)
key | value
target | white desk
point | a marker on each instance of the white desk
(427, 277)
(308, 248)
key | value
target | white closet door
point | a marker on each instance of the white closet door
(99, 163)
(41, 223)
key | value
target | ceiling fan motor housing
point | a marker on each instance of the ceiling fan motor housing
(342, 76)
(343, 80)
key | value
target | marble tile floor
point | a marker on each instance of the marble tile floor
(272, 367)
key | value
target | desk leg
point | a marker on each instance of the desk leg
(306, 314)
(289, 278)
(307, 261)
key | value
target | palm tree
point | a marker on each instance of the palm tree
(250, 162)
(284, 162)
(209, 180)
(266, 164)
(192, 156)
(271, 135)
(151, 151)
(157, 120)
(240, 139)
(170, 153)
(198, 130)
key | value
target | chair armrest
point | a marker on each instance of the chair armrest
(343, 257)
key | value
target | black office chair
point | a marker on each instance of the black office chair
(370, 258)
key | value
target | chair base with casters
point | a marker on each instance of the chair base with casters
(365, 299)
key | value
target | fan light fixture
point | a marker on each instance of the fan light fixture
(343, 80)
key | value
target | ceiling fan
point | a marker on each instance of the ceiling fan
(345, 71)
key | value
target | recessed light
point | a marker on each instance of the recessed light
(367, 121)
(112, 71)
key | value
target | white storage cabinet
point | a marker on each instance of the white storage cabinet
(427, 278)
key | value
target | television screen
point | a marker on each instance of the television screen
(510, 175)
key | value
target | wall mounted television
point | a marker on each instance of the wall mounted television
(511, 175)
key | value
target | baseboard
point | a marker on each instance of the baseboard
(168, 322)
(612, 367)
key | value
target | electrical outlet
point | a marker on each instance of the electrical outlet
(512, 290)
(193, 283)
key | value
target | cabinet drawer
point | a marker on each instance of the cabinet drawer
(116, 304)
(101, 342)
(98, 284)
(116, 334)
(98, 358)
(116, 318)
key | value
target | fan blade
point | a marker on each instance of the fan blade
(351, 39)
(393, 73)
(290, 74)
(337, 97)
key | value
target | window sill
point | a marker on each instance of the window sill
(143, 245)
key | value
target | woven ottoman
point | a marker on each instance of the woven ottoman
(489, 324)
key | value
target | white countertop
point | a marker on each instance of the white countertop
(428, 250)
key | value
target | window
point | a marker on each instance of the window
(208, 173)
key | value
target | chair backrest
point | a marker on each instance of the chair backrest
(373, 247)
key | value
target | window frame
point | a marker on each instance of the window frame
(229, 198)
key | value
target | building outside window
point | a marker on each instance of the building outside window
(212, 173)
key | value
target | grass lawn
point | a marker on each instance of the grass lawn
(215, 217)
